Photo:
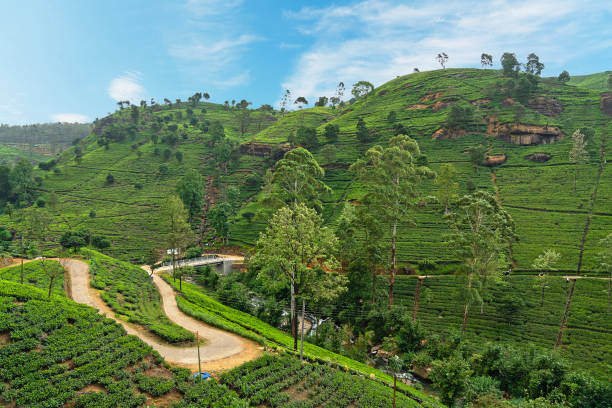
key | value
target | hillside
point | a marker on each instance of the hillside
(539, 196)
(596, 82)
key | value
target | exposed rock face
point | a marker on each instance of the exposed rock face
(606, 103)
(264, 149)
(546, 106)
(539, 157)
(495, 160)
(446, 133)
(416, 107)
(439, 105)
(508, 102)
(524, 135)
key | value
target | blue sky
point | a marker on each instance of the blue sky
(71, 60)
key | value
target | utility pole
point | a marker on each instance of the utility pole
(198, 343)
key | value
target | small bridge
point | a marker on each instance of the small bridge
(222, 264)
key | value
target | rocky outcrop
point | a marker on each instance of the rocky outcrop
(479, 102)
(494, 160)
(264, 149)
(417, 107)
(447, 133)
(539, 157)
(606, 103)
(524, 135)
(546, 106)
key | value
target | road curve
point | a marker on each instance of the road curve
(222, 350)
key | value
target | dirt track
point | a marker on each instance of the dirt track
(222, 350)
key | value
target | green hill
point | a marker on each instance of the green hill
(596, 82)
(539, 196)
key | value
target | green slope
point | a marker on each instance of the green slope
(539, 196)
(596, 82)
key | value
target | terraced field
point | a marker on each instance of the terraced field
(586, 338)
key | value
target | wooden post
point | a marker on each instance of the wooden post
(199, 367)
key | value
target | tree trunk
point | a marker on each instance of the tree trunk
(467, 303)
(180, 283)
(173, 266)
(392, 279)
(21, 274)
(50, 286)
(374, 286)
(302, 336)
(394, 388)
(293, 314)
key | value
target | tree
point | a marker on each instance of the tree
(232, 196)
(329, 153)
(392, 117)
(296, 179)
(545, 263)
(510, 64)
(307, 137)
(363, 135)
(248, 215)
(179, 234)
(110, 179)
(179, 156)
(244, 115)
(295, 252)
(395, 366)
(362, 88)
(477, 155)
(442, 59)
(450, 376)
(191, 191)
(564, 77)
(447, 186)
(605, 261)
(391, 177)
(223, 152)
(217, 132)
(481, 231)
(460, 116)
(72, 240)
(219, 217)
(285, 101)
(578, 154)
(264, 110)
(609, 82)
(322, 101)
(339, 93)
(52, 270)
(331, 132)
(35, 226)
(22, 182)
(533, 65)
(486, 60)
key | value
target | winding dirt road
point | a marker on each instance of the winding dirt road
(222, 350)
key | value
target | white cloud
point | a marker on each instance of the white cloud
(127, 88)
(235, 80)
(377, 40)
(216, 54)
(69, 118)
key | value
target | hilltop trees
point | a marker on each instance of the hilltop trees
(442, 59)
(337, 99)
(564, 77)
(510, 64)
(533, 65)
(294, 253)
(578, 154)
(362, 88)
(486, 60)
(391, 176)
(191, 190)
(480, 233)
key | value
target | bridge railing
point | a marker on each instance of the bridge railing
(191, 261)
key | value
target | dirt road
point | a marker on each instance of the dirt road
(222, 350)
